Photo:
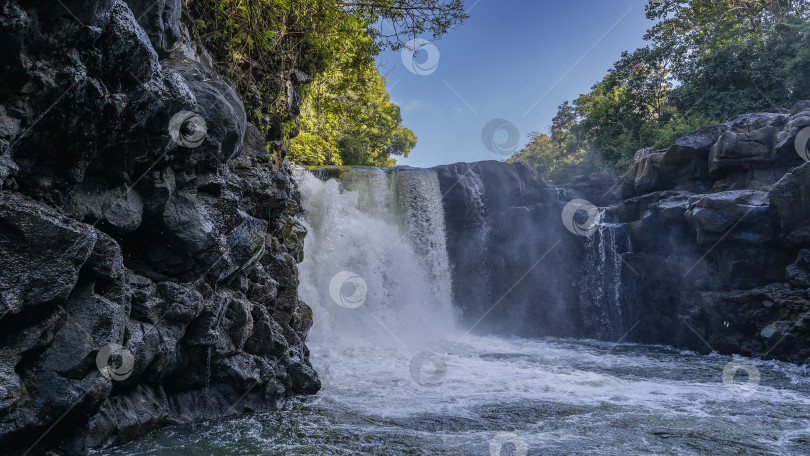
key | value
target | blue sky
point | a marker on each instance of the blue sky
(508, 56)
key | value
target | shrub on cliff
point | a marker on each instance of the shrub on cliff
(328, 47)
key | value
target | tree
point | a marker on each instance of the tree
(707, 61)
(398, 21)
(258, 44)
(347, 118)
(732, 56)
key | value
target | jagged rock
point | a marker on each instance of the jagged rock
(684, 163)
(43, 253)
(120, 208)
(798, 273)
(160, 19)
(125, 46)
(791, 197)
(137, 220)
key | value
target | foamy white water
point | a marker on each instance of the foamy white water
(489, 395)
(388, 229)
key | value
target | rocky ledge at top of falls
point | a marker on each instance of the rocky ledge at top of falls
(148, 248)
(704, 245)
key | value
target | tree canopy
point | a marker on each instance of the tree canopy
(346, 114)
(706, 61)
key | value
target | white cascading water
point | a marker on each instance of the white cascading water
(601, 291)
(388, 229)
(478, 395)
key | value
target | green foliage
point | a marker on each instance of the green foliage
(556, 162)
(707, 60)
(397, 21)
(347, 116)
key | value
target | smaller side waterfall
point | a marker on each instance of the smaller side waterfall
(605, 314)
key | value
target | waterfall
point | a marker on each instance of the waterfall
(419, 205)
(604, 313)
(376, 239)
(407, 252)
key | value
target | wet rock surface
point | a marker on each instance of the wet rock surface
(147, 277)
(703, 245)
(503, 229)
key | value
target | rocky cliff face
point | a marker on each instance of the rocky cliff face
(149, 248)
(705, 245)
(504, 240)
(719, 226)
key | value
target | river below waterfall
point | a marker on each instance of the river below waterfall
(560, 397)
(401, 377)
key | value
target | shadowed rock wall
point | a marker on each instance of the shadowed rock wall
(708, 241)
(149, 249)
(512, 267)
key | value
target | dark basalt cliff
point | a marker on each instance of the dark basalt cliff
(148, 248)
(704, 245)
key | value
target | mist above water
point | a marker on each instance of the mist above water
(487, 393)
(400, 379)
(388, 230)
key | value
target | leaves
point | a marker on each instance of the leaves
(707, 61)
(347, 116)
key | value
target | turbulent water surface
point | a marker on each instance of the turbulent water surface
(401, 379)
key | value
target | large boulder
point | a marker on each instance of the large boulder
(644, 174)
(684, 163)
(43, 253)
(742, 216)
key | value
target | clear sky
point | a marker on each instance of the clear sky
(515, 60)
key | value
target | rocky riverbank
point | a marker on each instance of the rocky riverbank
(149, 247)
